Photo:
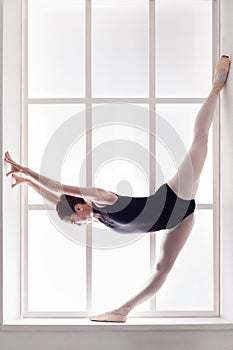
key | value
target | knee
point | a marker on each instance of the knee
(163, 267)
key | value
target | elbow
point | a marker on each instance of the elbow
(56, 187)
(105, 197)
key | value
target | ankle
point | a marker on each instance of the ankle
(215, 90)
(126, 307)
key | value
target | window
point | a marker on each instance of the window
(102, 76)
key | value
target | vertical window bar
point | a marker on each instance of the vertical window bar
(152, 127)
(216, 164)
(24, 160)
(88, 153)
(1, 180)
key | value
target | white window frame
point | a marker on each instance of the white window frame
(1, 160)
(158, 101)
(88, 100)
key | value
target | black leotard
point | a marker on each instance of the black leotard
(161, 210)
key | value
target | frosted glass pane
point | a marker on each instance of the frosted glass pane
(68, 123)
(183, 48)
(120, 34)
(120, 156)
(56, 48)
(56, 268)
(189, 285)
(119, 274)
(169, 149)
(120, 159)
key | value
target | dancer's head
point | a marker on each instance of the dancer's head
(73, 210)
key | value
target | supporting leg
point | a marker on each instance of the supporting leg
(172, 244)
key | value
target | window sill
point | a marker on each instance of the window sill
(132, 324)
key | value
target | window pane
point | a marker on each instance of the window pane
(169, 150)
(59, 126)
(120, 273)
(56, 267)
(56, 47)
(120, 48)
(183, 48)
(120, 156)
(189, 285)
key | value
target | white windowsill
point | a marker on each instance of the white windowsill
(132, 324)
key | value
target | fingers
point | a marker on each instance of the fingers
(7, 154)
(13, 170)
(10, 172)
(8, 158)
(13, 185)
(8, 161)
(17, 179)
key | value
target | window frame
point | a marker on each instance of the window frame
(88, 100)
(1, 160)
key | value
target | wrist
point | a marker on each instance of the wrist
(58, 186)
(25, 170)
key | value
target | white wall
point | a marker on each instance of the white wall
(21, 338)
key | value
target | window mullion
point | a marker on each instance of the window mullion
(24, 159)
(88, 152)
(216, 163)
(152, 127)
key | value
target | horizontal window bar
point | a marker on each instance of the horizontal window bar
(112, 100)
(51, 207)
(146, 314)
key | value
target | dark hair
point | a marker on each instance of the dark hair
(65, 206)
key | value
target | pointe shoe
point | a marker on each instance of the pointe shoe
(113, 316)
(221, 72)
(108, 318)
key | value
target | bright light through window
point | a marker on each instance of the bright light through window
(146, 57)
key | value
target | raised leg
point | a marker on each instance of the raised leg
(171, 245)
(185, 182)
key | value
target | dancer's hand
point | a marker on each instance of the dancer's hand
(15, 167)
(18, 180)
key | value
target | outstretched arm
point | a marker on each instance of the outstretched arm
(42, 191)
(97, 195)
(45, 181)
(93, 194)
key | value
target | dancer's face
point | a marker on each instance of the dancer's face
(82, 215)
